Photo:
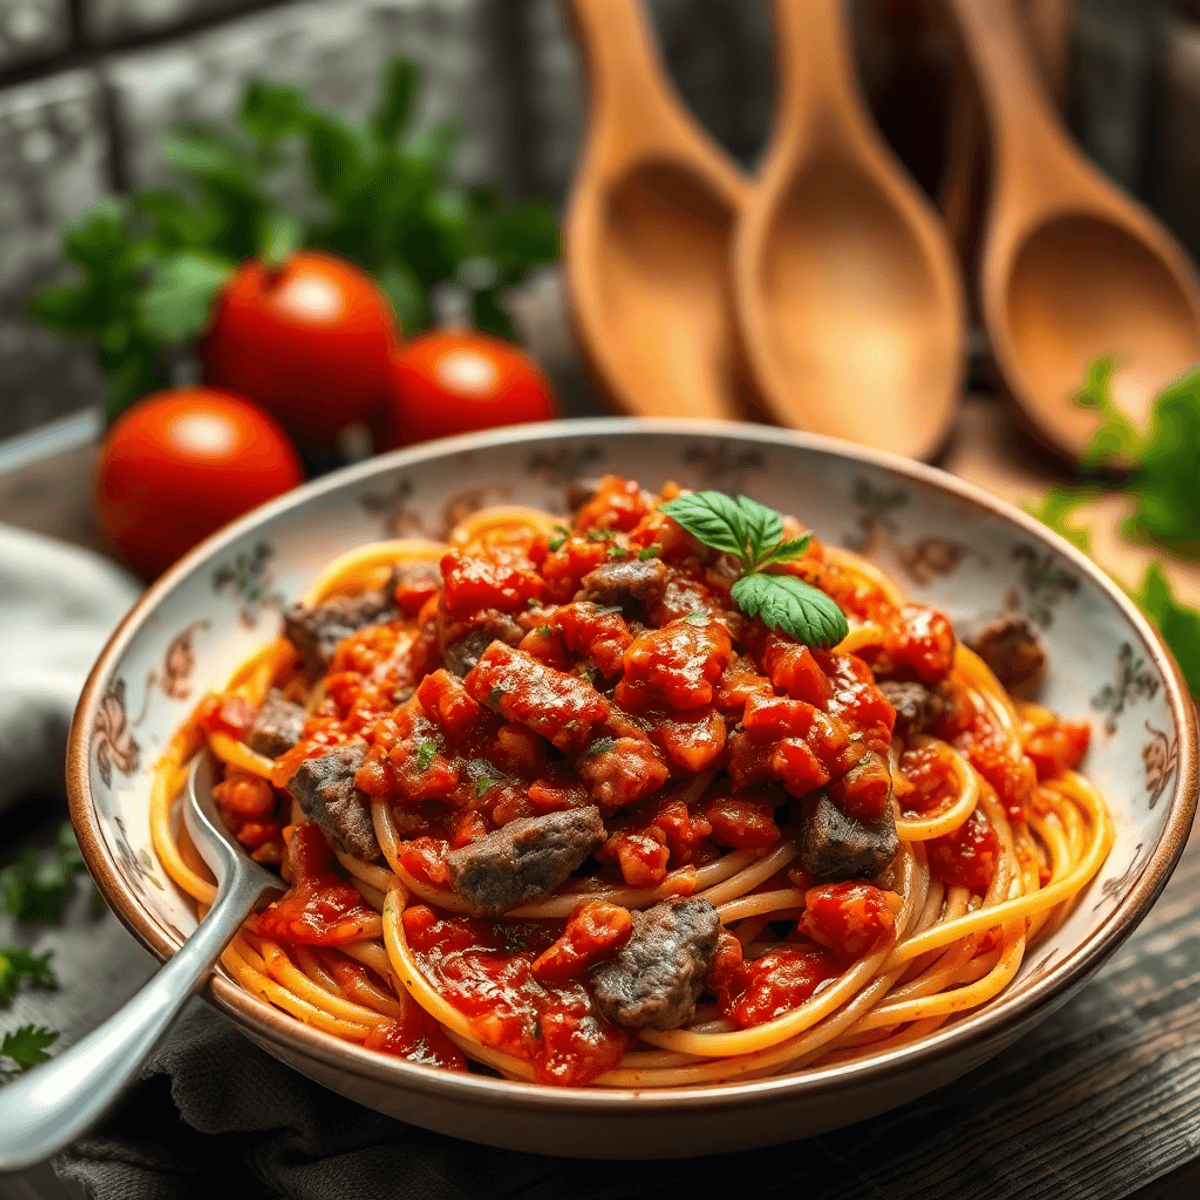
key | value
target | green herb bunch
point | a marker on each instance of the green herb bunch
(377, 191)
(753, 533)
(1161, 479)
(33, 890)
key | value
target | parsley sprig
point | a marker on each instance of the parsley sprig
(753, 533)
(26, 1047)
(19, 965)
(1162, 483)
(1178, 623)
(35, 888)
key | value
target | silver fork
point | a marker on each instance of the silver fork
(54, 1104)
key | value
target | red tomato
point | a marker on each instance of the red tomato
(457, 381)
(180, 464)
(309, 340)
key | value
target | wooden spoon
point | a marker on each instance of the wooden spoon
(648, 230)
(849, 303)
(1071, 267)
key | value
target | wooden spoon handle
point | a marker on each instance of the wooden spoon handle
(815, 74)
(1020, 111)
(627, 86)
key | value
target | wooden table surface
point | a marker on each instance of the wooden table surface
(1101, 1100)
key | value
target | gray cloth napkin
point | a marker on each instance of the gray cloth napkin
(58, 605)
(216, 1117)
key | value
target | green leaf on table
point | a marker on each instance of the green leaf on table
(35, 887)
(1057, 507)
(1177, 622)
(1165, 486)
(789, 604)
(1117, 437)
(177, 303)
(19, 965)
(397, 92)
(27, 1046)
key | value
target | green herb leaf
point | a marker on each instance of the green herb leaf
(398, 90)
(34, 889)
(495, 696)
(755, 534)
(1058, 506)
(601, 535)
(1117, 437)
(483, 786)
(649, 552)
(697, 618)
(786, 552)
(177, 302)
(712, 518)
(798, 609)
(425, 752)
(599, 746)
(27, 1046)
(763, 527)
(617, 552)
(556, 543)
(1177, 622)
(19, 965)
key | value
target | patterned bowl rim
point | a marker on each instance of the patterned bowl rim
(972, 1033)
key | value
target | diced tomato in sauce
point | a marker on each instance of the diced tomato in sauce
(1057, 745)
(968, 856)
(232, 715)
(769, 986)
(485, 970)
(851, 919)
(418, 1037)
(320, 908)
(596, 930)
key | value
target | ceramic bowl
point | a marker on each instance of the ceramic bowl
(949, 543)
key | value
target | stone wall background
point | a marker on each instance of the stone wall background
(86, 85)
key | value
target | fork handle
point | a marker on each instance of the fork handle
(52, 1105)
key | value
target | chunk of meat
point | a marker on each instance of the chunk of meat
(277, 727)
(563, 708)
(917, 706)
(1011, 645)
(324, 789)
(316, 632)
(461, 654)
(654, 982)
(834, 846)
(631, 586)
(525, 860)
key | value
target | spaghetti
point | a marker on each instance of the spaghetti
(748, 855)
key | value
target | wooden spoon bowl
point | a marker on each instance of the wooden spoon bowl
(648, 231)
(1072, 269)
(849, 303)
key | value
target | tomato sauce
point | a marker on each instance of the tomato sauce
(485, 970)
(567, 700)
